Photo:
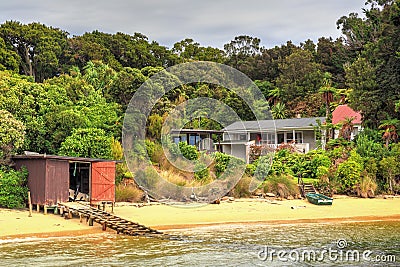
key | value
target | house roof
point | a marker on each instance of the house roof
(195, 131)
(272, 125)
(342, 112)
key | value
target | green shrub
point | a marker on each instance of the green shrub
(348, 175)
(263, 167)
(221, 162)
(129, 193)
(188, 151)
(201, 172)
(13, 188)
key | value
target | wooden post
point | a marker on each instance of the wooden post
(30, 203)
(37, 207)
(104, 206)
(80, 217)
(69, 214)
(45, 209)
(112, 207)
(62, 211)
(90, 221)
(104, 226)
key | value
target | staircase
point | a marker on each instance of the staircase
(308, 188)
(305, 188)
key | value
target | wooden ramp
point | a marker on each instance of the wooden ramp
(108, 220)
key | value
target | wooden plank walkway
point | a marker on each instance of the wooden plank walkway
(108, 220)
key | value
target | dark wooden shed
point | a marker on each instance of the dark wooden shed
(51, 178)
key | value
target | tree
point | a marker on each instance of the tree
(8, 58)
(299, 75)
(12, 133)
(365, 97)
(389, 130)
(327, 92)
(89, 142)
(279, 111)
(38, 46)
(241, 53)
(346, 129)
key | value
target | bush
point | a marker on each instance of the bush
(128, 193)
(281, 185)
(13, 188)
(367, 186)
(221, 162)
(188, 151)
(201, 172)
(147, 178)
(348, 175)
(241, 189)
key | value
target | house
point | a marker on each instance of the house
(202, 139)
(52, 177)
(240, 136)
(343, 112)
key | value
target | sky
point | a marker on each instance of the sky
(209, 22)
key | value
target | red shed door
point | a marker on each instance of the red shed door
(103, 182)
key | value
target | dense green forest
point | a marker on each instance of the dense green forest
(62, 94)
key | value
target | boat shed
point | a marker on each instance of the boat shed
(52, 178)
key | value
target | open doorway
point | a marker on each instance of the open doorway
(79, 181)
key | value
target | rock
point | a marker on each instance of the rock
(270, 194)
(290, 197)
(371, 194)
(259, 193)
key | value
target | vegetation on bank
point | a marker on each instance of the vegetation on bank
(67, 95)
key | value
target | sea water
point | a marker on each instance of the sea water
(330, 244)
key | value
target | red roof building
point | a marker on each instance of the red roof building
(342, 112)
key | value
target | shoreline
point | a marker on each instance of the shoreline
(168, 228)
(15, 224)
(362, 219)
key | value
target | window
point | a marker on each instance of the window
(289, 137)
(242, 137)
(299, 138)
(269, 138)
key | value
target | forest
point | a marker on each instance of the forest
(67, 95)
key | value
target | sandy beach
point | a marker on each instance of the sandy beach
(16, 223)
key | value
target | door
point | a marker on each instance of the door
(102, 182)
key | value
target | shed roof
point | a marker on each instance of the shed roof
(66, 158)
(342, 112)
(272, 125)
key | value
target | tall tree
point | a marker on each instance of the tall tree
(38, 46)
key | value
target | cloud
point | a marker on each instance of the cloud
(209, 22)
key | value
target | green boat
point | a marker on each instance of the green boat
(319, 199)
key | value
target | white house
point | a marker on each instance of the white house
(240, 136)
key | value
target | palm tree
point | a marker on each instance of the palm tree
(347, 128)
(275, 95)
(327, 92)
(279, 111)
(389, 128)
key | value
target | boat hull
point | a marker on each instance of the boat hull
(319, 199)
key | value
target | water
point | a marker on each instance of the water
(229, 245)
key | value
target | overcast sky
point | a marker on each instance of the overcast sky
(209, 22)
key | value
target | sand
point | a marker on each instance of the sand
(16, 223)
